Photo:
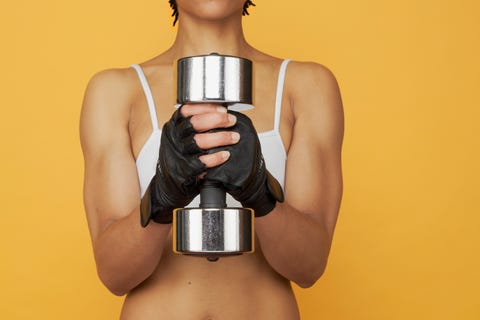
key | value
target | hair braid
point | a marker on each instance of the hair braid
(173, 5)
(247, 4)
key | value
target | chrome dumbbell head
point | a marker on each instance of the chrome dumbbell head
(214, 78)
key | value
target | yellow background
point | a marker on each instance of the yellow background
(407, 242)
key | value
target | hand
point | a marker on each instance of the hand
(182, 159)
(244, 175)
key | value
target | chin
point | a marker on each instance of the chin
(210, 9)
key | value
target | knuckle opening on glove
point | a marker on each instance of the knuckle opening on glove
(189, 146)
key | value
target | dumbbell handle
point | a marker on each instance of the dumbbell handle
(212, 195)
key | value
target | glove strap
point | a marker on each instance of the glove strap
(265, 199)
(159, 215)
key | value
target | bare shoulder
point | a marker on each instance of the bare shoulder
(310, 79)
(106, 103)
(315, 97)
(109, 87)
(311, 71)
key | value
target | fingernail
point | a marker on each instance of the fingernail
(235, 136)
(222, 109)
(225, 154)
(232, 119)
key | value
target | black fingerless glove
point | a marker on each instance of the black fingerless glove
(175, 183)
(244, 175)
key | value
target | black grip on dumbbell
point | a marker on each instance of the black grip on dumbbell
(212, 195)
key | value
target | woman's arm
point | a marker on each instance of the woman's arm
(296, 236)
(125, 253)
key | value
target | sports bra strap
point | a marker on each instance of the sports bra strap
(148, 95)
(278, 98)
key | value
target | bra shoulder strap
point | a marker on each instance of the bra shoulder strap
(279, 94)
(148, 95)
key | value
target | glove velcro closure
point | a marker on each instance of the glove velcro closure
(148, 211)
(263, 201)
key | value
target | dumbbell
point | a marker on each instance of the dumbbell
(213, 230)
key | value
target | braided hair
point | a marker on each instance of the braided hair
(173, 5)
(247, 4)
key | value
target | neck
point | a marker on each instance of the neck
(198, 37)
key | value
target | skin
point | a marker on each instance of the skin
(292, 242)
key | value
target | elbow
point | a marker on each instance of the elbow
(315, 267)
(308, 279)
(119, 292)
(307, 282)
(114, 285)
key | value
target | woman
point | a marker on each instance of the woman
(121, 115)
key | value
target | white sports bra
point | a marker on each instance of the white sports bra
(273, 149)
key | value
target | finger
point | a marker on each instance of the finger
(188, 110)
(213, 120)
(214, 159)
(216, 139)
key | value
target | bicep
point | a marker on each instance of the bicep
(314, 175)
(111, 188)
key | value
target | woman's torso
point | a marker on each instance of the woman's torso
(182, 287)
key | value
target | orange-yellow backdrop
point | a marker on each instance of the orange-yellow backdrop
(407, 242)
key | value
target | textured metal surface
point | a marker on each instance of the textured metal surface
(213, 232)
(214, 78)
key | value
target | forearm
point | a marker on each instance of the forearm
(126, 254)
(294, 243)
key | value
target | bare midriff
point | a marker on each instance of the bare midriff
(193, 288)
